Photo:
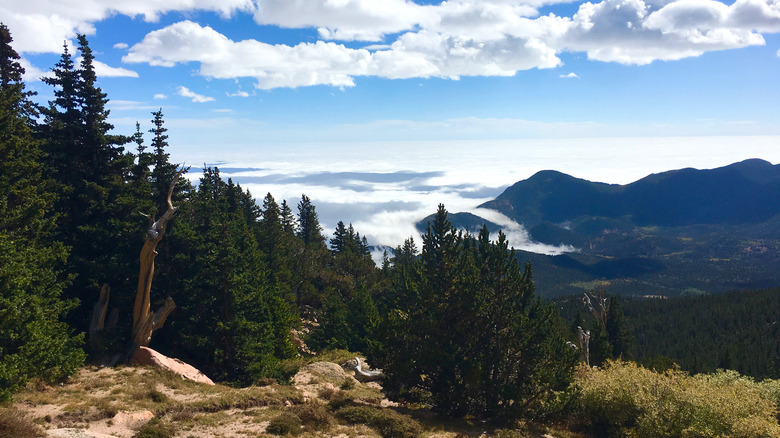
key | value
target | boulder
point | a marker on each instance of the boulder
(321, 372)
(147, 357)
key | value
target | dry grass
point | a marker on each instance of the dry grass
(93, 398)
(14, 424)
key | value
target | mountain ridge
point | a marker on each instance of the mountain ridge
(743, 192)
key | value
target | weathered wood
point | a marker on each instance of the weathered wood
(99, 316)
(144, 321)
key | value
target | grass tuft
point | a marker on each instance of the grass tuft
(13, 424)
(156, 428)
(285, 423)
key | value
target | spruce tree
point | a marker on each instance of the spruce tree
(33, 340)
(233, 322)
(309, 228)
(98, 215)
(468, 335)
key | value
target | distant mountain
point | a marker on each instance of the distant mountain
(680, 232)
(742, 193)
(462, 221)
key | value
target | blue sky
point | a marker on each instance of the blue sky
(383, 86)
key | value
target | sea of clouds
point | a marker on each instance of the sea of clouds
(384, 189)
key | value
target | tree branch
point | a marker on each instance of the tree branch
(144, 322)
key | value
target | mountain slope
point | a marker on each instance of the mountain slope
(674, 233)
(742, 193)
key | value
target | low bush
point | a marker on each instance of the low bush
(285, 423)
(314, 415)
(388, 423)
(624, 399)
(155, 428)
(13, 424)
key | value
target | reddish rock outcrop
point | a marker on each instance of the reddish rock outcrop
(147, 356)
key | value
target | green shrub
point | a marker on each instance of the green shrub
(314, 415)
(155, 428)
(285, 423)
(390, 424)
(625, 399)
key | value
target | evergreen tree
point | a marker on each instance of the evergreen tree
(338, 241)
(309, 228)
(33, 340)
(620, 335)
(469, 336)
(289, 225)
(233, 322)
(348, 318)
(97, 213)
(164, 170)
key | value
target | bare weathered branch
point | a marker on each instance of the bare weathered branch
(99, 313)
(143, 321)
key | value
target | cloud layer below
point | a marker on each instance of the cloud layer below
(384, 193)
(397, 39)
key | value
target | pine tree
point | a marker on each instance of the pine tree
(469, 332)
(33, 340)
(98, 215)
(620, 335)
(164, 170)
(233, 322)
(309, 228)
(289, 224)
(338, 241)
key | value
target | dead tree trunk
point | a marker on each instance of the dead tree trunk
(146, 322)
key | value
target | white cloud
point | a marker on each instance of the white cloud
(450, 39)
(129, 105)
(31, 72)
(159, 96)
(635, 32)
(103, 70)
(346, 20)
(40, 26)
(223, 110)
(121, 46)
(571, 75)
(419, 54)
(199, 98)
(239, 93)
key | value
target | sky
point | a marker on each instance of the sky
(381, 109)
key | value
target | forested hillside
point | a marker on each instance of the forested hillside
(738, 330)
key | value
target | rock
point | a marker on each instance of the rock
(327, 371)
(75, 433)
(147, 356)
(133, 420)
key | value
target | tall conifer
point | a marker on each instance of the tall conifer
(33, 340)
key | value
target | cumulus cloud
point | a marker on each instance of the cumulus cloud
(450, 39)
(571, 75)
(160, 96)
(198, 98)
(415, 54)
(31, 72)
(103, 70)
(239, 93)
(121, 46)
(40, 26)
(636, 32)
(346, 20)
